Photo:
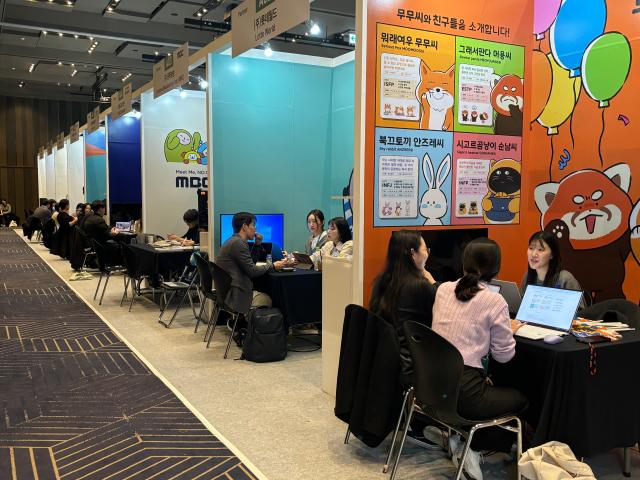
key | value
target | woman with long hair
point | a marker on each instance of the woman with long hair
(315, 224)
(545, 265)
(404, 291)
(476, 321)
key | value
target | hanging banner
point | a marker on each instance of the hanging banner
(171, 72)
(121, 102)
(93, 120)
(60, 141)
(74, 134)
(255, 22)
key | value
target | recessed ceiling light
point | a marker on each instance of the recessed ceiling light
(156, 53)
(59, 63)
(110, 8)
(68, 84)
(21, 38)
(204, 10)
(44, 32)
(75, 36)
(13, 68)
(199, 14)
(104, 89)
(60, 34)
(114, 72)
(91, 38)
(73, 64)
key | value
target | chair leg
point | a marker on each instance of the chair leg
(166, 303)
(347, 435)
(385, 468)
(519, 450)
(126, 287)
(467, 447)
(235, 324)
(98, 287)
(626, 471)
(134, 292)
(211, 328)
(394, 469)
(104, 288)
(167, 325)
(199, 317)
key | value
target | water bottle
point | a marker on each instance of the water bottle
(269, 260)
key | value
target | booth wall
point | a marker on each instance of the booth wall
(75, 171)
(50, 169)
(62, 188)
(124, 168)
(278, 131)
(96, 165)
(172, 128)
(42, 177)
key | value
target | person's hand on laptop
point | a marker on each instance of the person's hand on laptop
(279, 264)
(516, 325)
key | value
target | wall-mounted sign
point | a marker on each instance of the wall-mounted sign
(121, 102)
(257, 21)
(60, 141)
(93, 120)
(49, 147)
(171, 72)
(74, 134)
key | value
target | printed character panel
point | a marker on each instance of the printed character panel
(489, 86)
(412, 177)
(486, 179)
(415, 79)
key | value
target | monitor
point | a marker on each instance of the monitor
(446, 247)
(549, 307)
(123, 226)
(269, 225)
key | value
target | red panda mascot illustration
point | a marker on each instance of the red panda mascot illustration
(588, 211)
(507, 98)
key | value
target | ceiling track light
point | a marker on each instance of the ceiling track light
(208, 7)
(74, 73)
(32, 67)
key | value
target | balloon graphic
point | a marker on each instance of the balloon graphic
(544, 13)
(577, 24)
(562, 99)
(542, 79)
(605, 66)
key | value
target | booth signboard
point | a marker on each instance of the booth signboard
(49, 147)
(41, 151)
(60, 141)
(74, 134)
(255, 22)
(171, 72)
(93, 120)
(121, 102)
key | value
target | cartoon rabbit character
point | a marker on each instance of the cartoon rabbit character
(433, 205)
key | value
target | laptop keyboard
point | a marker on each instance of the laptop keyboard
(533, 332)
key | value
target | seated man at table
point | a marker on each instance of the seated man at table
(192, 237)
(94, 225)
(43, 213)
(238, 261)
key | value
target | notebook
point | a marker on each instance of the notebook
(553, 309)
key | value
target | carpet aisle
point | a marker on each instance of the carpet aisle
(76, 402)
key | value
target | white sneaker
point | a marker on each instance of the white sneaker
(435, 436)
(471, 463)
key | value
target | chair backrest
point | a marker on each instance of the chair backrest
(109, 255)
(204, 272)
(222, 282)
(623, 310)
(437, 370)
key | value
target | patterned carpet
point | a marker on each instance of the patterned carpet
(75, 402)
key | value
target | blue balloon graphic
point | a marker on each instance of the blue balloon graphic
(578, 23)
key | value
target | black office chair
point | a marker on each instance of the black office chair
(109, 261)
(133, 277)
(614, 310)
(222, 282)
(438, 367)
(205, 287)
(183, 285)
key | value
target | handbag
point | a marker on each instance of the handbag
(553, 461)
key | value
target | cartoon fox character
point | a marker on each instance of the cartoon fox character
(434, 94)
(507, 98)
(501, 204)
(588, 212)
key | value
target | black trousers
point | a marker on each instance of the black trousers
(479, 400)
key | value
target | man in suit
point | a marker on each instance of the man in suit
(238, 261)
(94, 225)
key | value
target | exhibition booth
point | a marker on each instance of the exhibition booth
(95, 147)
(75, 171)
(60, 161)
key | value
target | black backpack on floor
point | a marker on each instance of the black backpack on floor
(266, 339)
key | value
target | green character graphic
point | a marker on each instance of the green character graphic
(178, 143)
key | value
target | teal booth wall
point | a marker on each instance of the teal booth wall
(282, 139)
(96, 165)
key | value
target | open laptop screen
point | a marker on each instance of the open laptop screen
(549, 307)
(123, 226)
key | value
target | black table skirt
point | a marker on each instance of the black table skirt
(160, 261)
(297, 294)
(591, 413)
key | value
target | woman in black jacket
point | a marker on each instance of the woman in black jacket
(61, 243)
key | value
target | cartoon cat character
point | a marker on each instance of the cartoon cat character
(433, 205)
(436, 101)
(501, 204)
(179, 141)
(588, 212)
(507, 99)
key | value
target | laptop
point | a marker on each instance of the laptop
(123, 226)
(547, 311)
(510, 292)
(304, 261)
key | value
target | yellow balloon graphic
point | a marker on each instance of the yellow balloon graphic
(562, 99)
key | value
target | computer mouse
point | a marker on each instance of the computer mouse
(553, 339)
